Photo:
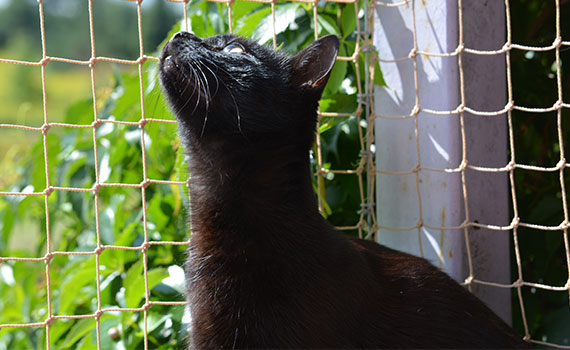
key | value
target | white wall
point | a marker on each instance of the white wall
(439, 139)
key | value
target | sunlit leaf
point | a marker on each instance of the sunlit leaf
(327, 25)
(284, 16)
(348, 20)
(249, 23)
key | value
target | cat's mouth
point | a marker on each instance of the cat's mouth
(167, 62)
(185, 80)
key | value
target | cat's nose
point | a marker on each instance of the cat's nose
(183, 35)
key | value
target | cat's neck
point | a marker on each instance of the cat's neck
(243, 192)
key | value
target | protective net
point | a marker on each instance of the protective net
(360, 169)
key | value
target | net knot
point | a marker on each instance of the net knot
(44, 61)
(463, 165)
(51, 318)
(96, 123)
(98, 314)
(416, 110)
(510, 166)
(92, 62)
(413, 53)
(515, 223)
(147, 306)
(99, 250)
(45, 128)
(96, 188)
(469, 280)
(145, 183)
(48, 257)
(145, 246)
(49, 191)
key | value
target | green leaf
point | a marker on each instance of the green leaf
(88, 343)
(348, 20)
(338, 73)
(135, 282)
(133, 291)
(284, 16)
(199, 27)
(326, 25)
(78, 331)
(71, 289)
(378, 76)
(115, 259)
(59, 328)
(330, 122)
(247, 24)
(153, 321)
(156, 212)
(107, 322)
(242, 8)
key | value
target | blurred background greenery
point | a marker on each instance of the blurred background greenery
(23, 294)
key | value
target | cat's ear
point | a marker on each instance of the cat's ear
(312, 65)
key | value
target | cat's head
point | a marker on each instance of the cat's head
(229, 89)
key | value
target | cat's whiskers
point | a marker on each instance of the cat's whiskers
(197, 88)
(228, 74)
(207, 97)
(213, 75)
(186, 78)
(228, 89)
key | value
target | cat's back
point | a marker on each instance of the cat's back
(422, 307)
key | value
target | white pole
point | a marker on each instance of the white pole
(413, 204)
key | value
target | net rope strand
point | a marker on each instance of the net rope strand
(365, 170)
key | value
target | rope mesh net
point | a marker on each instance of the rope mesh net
(365, 171)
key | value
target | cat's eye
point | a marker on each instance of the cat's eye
(234, 48)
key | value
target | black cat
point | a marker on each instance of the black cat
(265, 270)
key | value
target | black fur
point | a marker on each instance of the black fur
(265, 270)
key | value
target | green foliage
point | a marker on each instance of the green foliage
(73, 215)
(72, 227)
